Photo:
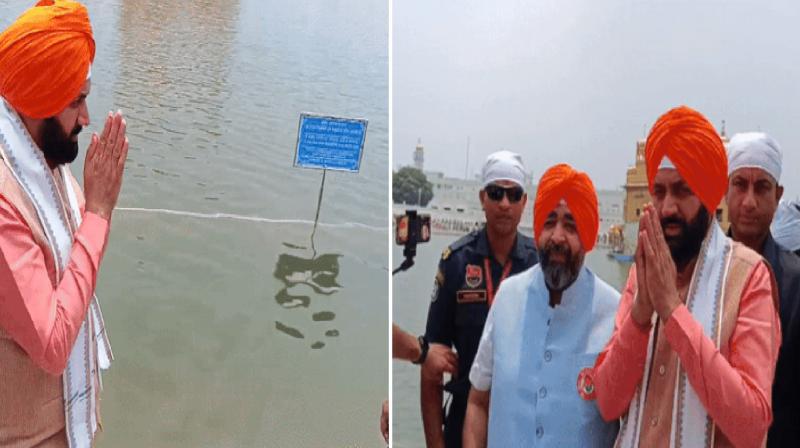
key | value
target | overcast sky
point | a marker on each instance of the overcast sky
(580, 81)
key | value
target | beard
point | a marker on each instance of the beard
(686, 246)
(57, 146)
(558, 276)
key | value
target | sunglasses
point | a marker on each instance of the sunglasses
(496, 193)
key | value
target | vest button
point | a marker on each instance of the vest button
(539, 432)
(662, 370)
(542, 392)
(548, 356)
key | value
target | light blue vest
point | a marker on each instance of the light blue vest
(538, 353)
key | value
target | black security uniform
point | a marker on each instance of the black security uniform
(459, 305)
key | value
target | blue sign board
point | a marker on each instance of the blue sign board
(330, 143)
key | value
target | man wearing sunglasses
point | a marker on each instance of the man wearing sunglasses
(470, 272)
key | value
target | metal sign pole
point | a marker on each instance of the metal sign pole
(319, 205)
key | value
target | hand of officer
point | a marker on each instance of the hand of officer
(440, 359)
(105, 161)
(661, 272)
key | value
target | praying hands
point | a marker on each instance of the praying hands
(105, 163)
(655, 271)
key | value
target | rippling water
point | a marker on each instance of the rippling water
(228, 327)
(412, 292)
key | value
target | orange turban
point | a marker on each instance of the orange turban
(45, 57)
(694, 147)
(563, 182)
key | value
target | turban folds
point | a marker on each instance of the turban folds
(45, 57)
(755, 150)
(504, 165)
(563, 182)
(692, 144)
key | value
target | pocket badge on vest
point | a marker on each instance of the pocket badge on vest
(586, 384)
(473, 276)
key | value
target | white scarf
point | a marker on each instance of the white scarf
(691, 425)
(26, 162)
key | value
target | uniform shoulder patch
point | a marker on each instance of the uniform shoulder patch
(440, 277)
(435, 293)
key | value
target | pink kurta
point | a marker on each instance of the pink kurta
(733, 383)
(44, 320)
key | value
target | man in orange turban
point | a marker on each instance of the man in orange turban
(45, 57)
(548, 323)
(52, 338)
(697, 332)
(575, 189)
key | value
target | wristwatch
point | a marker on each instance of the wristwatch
(423, 350)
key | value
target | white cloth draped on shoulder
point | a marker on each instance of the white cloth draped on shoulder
(92, 348)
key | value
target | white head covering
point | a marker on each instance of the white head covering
(504, 165)
(755, 150)
(666, 163)
(785, 226)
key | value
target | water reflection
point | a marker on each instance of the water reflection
(173, 84)
(302, 278)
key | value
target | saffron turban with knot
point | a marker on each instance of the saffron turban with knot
(692, 145)
(576, 189)
(45, 56)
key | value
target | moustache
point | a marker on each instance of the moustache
(673, 220)
(76, 130)
(560, 249)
